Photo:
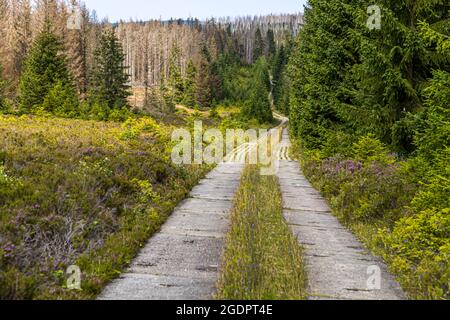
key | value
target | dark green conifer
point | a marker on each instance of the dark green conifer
(45, 66)
(109, 80)
(190, 85)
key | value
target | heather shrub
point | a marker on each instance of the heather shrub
(76, 192)
(368, 186)
(400, 208)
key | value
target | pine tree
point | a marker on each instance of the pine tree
(432, 124)
(109, 81)
(319, 70)
(61, 101)
(190, 85)
(216, 82)
(350, 78)
(259, 47)
(45, 66)
(394, 67)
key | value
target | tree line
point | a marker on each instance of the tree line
(347, 77)
(48, 67)
(370, 108)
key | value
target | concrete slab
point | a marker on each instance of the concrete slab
(182, 260)
(132, 286)
(338, 265)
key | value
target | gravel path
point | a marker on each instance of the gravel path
(337, 264)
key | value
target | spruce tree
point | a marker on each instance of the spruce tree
(110, 80)
(190, 85)
(259, 47)
(351, 78)
(216, 82)
(175, 80)
(271, 46)
(279, 67)
(394, 67)
(45, 66)
(432, 124)
(61, 101)
(204, 95)
(258, 106)
(319, 69)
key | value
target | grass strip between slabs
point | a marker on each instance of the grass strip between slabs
(262, 259)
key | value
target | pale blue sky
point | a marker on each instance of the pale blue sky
(154, 9)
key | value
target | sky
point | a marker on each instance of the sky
(202, 9)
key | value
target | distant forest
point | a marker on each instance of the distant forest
(148, 46)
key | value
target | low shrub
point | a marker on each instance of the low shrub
(418, 245)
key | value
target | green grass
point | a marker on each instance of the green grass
(83, 193)
(262, 259)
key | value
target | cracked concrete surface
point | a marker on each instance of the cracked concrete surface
(181, 261)
(337, 264)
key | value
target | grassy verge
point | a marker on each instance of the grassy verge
(262, 260)
(83, 193)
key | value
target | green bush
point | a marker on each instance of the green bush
(369, 149)
(120, 115)
(419, 243)
(338, 143)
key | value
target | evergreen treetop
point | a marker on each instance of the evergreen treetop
(259, 45)
(204, 94)
(190, 85)
(110, 80)
(175, 80)
(44, 66)
(258, 106)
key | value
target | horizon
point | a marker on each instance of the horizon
(142, 10)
